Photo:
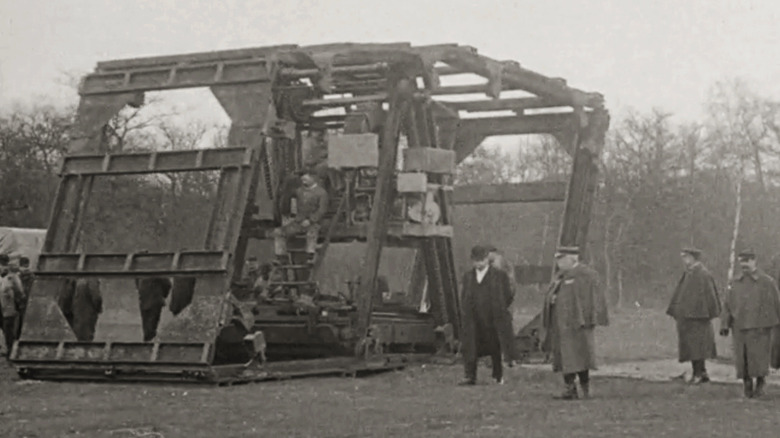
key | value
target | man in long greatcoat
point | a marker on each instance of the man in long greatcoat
(574, 305)
(694, 304)
(751, 310)
(498, 261)
(152, 292)
(87, 305)
(775, 351)
(486, 295)
(11, 294)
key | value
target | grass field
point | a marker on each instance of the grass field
(416, 402)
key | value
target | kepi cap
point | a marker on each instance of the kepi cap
(567, 250)
(696, 252)
(747, 254)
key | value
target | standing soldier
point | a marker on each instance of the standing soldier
(694, 305)
(498, 261)
(152, 292)
(11, 293)
(87, 305)
(751, 310)
(485, 297)
(27, 278)
(775, 351)
(573, 307)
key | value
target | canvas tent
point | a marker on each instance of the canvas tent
(18, 242)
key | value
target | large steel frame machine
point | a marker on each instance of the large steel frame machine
(394, 134)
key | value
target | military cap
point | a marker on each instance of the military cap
(491, 248)
(479, 252)
(4, 259)
(567, 250)
(24, 262)
(696, 252)
(747, 254)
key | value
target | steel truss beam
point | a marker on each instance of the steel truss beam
(169, 263)
(157, 162)
(357, 61)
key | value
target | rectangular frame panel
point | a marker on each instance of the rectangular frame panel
(186, 339)
(176, 76)
(190, 262)
(110, 352)
(156, 162)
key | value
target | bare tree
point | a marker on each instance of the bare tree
(32, 142)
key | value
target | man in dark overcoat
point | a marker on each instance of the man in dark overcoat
(574, 305)
(87, 305)
(486, 295)
(751, 311)
(694, 304)
(152, 292)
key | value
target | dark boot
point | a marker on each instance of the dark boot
(584, 377)
(703, 376)
(570, 393)
(759, 392)
(748, 388)
(585, 390)
(467, 382)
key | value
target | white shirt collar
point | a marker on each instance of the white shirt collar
(481, 274)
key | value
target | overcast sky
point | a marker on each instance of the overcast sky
(638, 53)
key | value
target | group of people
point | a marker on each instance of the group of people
(575, 304)
(15, 284)
(750, 312)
